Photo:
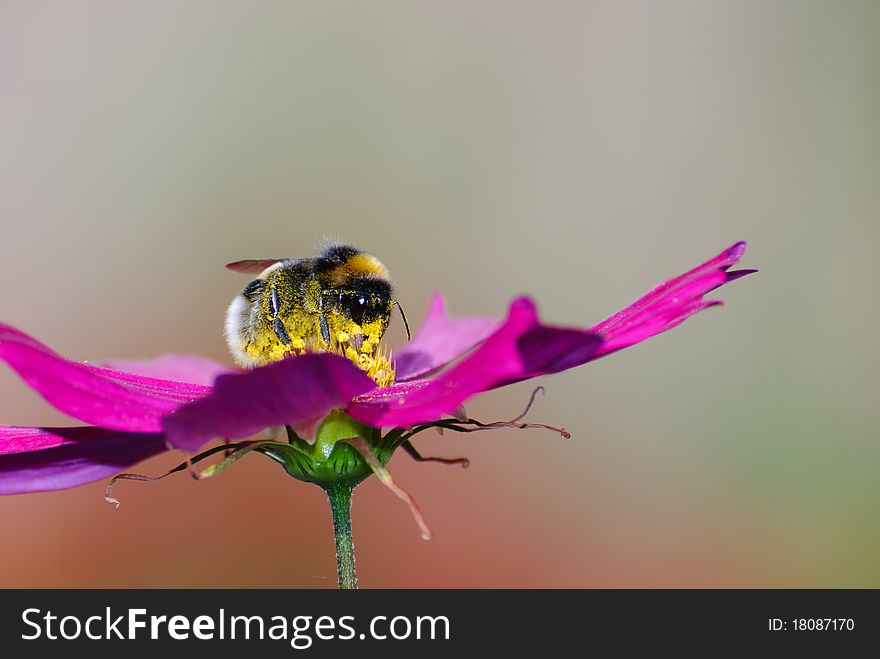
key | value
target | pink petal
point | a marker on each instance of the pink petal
(41, 459)
(296, 391)
(99, 396)
(440, 340)
(521, 348)
(670, 303)
(180, 368)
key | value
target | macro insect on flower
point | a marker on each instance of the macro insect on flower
(336, 402)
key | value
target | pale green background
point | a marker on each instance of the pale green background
(578, 152)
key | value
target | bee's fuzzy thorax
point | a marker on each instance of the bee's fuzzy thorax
(360, 265)
(341, 263)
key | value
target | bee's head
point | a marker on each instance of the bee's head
(358, 289)
(367, 302)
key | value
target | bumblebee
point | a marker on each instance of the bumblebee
(339, 301)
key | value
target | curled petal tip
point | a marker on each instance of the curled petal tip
(737, 274)
(737, 250)
(524, 303)
(670, 303)
(438, 300)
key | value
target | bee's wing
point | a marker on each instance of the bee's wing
(252, 266)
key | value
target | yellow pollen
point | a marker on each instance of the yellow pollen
(371, 357)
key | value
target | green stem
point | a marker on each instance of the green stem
(340, 504)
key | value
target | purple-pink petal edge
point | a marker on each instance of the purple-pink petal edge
(43, 459)
(98, 396)
(671, 303)
(440, 340)
(299, 390)
(192, 369)
(522, 347)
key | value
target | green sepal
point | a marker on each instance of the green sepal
(331, 461)
(344, 466)
(232, 458)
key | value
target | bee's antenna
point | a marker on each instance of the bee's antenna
(405, 323)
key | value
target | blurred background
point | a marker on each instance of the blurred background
(579, 152)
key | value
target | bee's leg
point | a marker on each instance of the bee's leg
(325, 329)
(280, 330)
(276, 305)
(356, 341)
(282, 334)
(409, 448)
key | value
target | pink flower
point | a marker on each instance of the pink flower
(138, 409)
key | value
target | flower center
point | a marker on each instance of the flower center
(371, 356)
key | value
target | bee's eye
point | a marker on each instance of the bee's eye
(354, 304)
(357, 304)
